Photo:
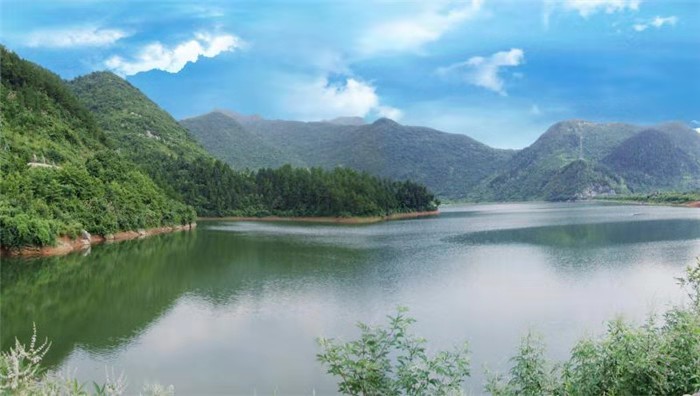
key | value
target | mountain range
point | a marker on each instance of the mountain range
(573, 159)
(95, 156)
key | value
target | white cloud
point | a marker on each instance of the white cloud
(589, 7)
(410, 34)
(389, 112)
(85, 36)
(319, 99)
(484, 71)
(173, 59)
(482, 118)
(656, 22)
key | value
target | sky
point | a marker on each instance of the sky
(500, 71)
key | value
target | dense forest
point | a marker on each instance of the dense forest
(59, 176)
(110, 160)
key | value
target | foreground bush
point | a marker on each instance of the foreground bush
(391, 361)
(21, 374)
(660, 357)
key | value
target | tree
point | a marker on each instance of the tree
(391, 361)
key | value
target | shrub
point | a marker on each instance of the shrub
(391, 361)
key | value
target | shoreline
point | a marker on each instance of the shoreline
(65, 245)
(326, 219)
(691, 204)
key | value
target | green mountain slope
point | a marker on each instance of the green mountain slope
(449, 164)
(229, 141)
(526, 175)
(58, 174)
(136, 124)
(581, 179)
(621, 158)
(150, 137)
(180, 165)
(571, 160)
(658, 160)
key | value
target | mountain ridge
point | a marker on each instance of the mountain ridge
(457, 166)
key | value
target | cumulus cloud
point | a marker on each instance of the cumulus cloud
(173, 59)
(84, 36)
(410, 34)
(485, 71)
(319, 99)
(656, 22)
(589, 7)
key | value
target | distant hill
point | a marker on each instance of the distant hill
(229, 141)
(572, 160)
(449, 164)
(527, 173)
(623, 157)
(174, 158)
(662, 158)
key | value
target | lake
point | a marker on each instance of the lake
(234, 308)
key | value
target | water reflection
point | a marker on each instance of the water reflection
(586, 236)
(246, 300)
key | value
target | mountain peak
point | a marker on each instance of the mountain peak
(238, 116)
(385, 122)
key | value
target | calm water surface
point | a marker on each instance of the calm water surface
(234, 308)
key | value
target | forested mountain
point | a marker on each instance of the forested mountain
(571, 160)
(621, 158)
(137, 125)
(229, 141)
(58, 173)
(98, 155)
(449, 164)
(663, 158)
(176, 161)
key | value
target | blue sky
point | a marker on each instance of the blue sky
(500, 71)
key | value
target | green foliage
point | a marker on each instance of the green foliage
(57, 174)
(22, 374)
(657, 358)
(391, 361)
(20, 368)
(530, 374)
(134, 124)
(677, 198)
(216, 190)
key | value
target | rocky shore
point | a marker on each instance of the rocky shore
(65, 245)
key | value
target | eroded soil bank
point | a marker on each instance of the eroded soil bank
(65, 245)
